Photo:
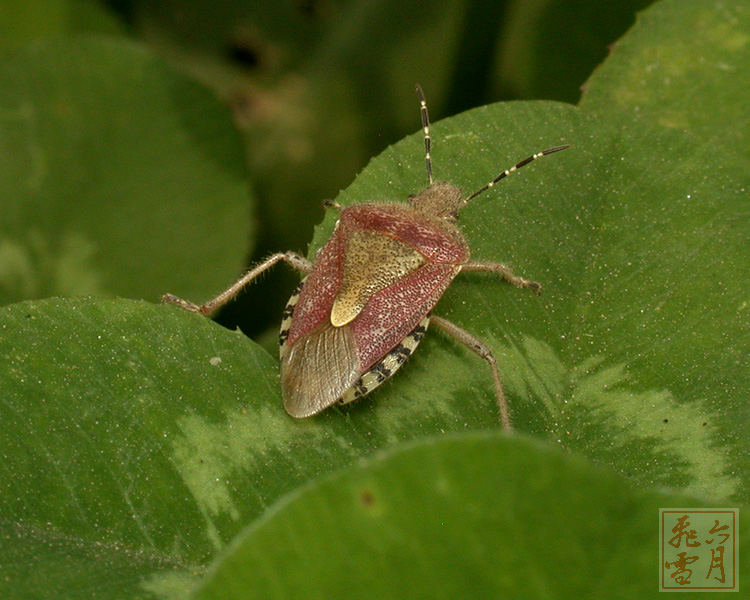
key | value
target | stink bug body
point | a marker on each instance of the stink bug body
(367, 298)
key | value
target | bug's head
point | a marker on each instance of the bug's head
(440, 199)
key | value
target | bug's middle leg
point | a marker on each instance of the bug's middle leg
(504, 271)
(483, 350)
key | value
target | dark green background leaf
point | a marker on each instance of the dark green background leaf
(108, 158)
(22, 21)
(550, 47)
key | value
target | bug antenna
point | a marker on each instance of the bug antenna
(517, 166)
(426, 129)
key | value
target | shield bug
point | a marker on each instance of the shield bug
(367, 298)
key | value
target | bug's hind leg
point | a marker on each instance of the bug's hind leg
(292, 258)
(479, 347)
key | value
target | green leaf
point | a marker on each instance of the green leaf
(120, 177)
(111, 411)
(681, 69)
(145, 431)
(22, 21)
(634, 352)
(479, 515)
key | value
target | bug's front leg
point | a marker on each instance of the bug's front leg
(291, 258)
(483, 350)
(504, 271)
(332, 204)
